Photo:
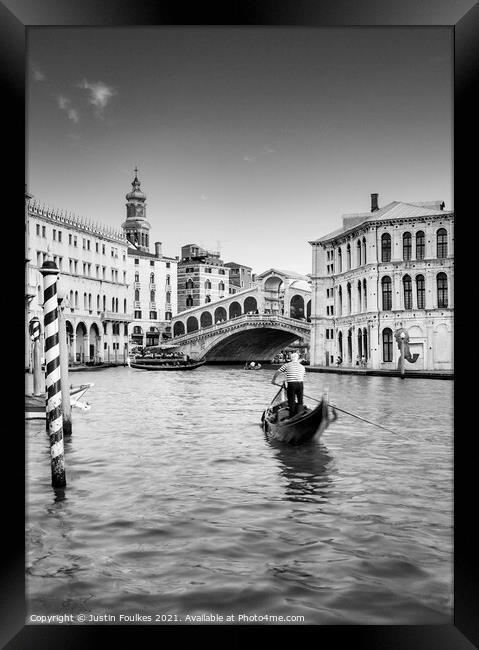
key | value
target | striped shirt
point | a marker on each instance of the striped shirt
(294, 371)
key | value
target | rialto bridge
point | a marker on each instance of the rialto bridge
(253, 324)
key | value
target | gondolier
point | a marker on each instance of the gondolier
(294, 371)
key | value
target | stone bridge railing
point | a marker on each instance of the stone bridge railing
(246, 321)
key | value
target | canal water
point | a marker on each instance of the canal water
(176, 504)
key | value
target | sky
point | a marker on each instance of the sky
(253, 141)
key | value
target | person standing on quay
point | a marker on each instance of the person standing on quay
(294, 382)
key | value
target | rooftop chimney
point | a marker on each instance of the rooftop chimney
(158, 252)
(374, 202)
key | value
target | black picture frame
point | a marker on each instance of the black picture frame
(463, 17)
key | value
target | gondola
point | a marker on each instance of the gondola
(35, 404)
(306, 425)
(166, 364)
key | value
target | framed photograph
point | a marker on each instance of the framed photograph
(259, 190)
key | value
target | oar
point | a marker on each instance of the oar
(354, 415)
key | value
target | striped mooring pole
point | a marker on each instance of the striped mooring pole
(49, 272)
(37, 356)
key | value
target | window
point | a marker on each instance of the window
(407, 287)
(327, 334)
(441, 243)
(189, 301)
(168, 297)
(387, 345)
(152, 296)
(387, 293)
(103, 249)
(97, 247)
(84, 243)
(88, 244)
(137, 277)
(221, 286)
(152, 262)
(39, 258)
(359, 295)
(124, 306)
(153, 315)
(104, 303)
(137, 295)
(364, 250)
(365, 295)
(152, 278)
(340, 298)
(137, 261)
(208, 284)
(70, 239)
(59, 235)
(421, 292)
(137, 314)
(189, 284)
(386, 247)
(420, 245)
(38, 229)
(340, 261)
(348, 289)
(167, 279)
(98, 302)
(75, 241)
(406, 246)
(358, 252)
(103, 271)
(44, 231)
(348, 256)
(167, 265)
(441, 290)
(54, 234)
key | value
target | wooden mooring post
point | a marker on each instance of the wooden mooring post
(54, 415)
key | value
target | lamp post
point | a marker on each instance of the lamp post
(402, 336)
(62, 339)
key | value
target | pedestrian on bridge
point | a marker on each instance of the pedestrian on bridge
(294, 371)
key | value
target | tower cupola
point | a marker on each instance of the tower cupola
(136, 226)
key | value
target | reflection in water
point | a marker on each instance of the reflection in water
(175, 503)
(306, 469)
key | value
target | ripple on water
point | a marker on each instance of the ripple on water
(176, 503)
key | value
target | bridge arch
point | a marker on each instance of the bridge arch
(234, 309)
(178, 328)
(192, 324)
(220, 314)
(206, 319)
(296, 307)
(250, 304)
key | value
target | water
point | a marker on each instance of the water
(177, 505)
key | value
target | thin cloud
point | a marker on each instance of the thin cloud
(37, 74)
(64, 104)
(265, 152)
(100, 94)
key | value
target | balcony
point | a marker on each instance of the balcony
(152, 286)
(137, 285)
(152, 305)
(116, 316)
(137, 304)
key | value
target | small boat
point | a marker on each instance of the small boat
(35, 404)
(248, 366)
(306, 425)
(166, 364)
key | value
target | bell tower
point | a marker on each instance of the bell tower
(136, 227)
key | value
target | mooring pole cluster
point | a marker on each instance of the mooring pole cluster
(54, 414)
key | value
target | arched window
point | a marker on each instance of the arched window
(189, 284)
(420, 245)
(360, 343)
(85, 302)
(387, 293)
(113, 304)
(189, 300)
(207, 284)
(340, 344)
(420, 292)
(348, 256)
(152, 278)
(348, 290)
(168, 297)
(359, 296)
(104, 303)
(89, 301)
(192, 324)
(407, 287)
(386, 247)
(340, 261)
(350, 346)
(72, 304)
(358, 252)
(152, 296)
(76, 301)
(137, 295)
(137, 277)
(441, 290)
(178, 328)
(98, 303)
(387, 345)
(406, 246)
(441, 243)
(168, 279)
(221, 286)
(365, 295)
(364, 251)
(340, 298)
(124, 306)
(365, 343)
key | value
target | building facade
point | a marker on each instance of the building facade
(240, 275)
(384, 272)
(92, 263)
(151, 276)
(202, 277)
